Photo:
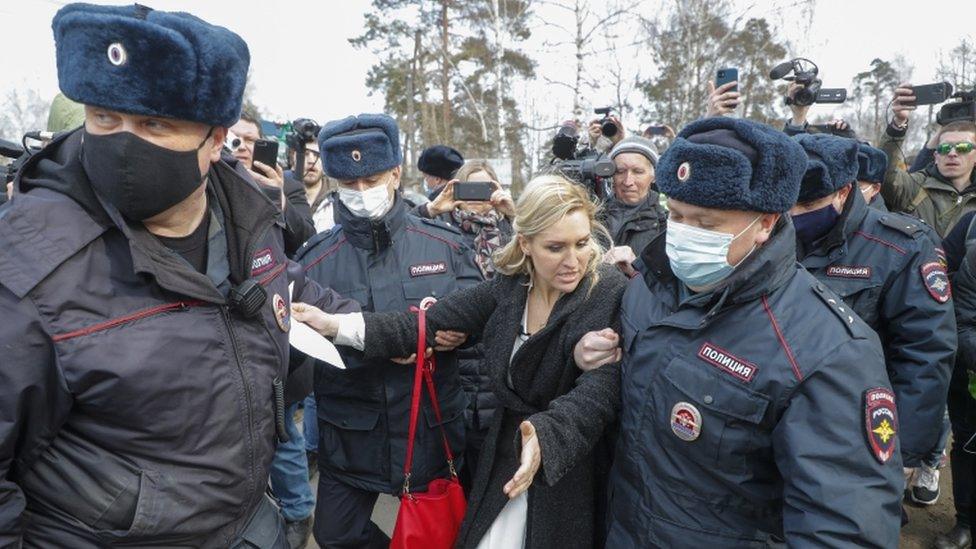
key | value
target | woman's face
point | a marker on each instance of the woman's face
(560, 253)
(480, 208)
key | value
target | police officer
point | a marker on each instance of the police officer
(387, 260)
(886, 267)
(872, 163)
(144, 292)
(750, 422)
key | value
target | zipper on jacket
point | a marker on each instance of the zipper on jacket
(138, 315)
(225, 312)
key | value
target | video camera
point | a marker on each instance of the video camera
(585, 166)
(805, 73)
(964, 109)
(18, 154)
(302, 131)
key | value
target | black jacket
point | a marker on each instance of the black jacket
(570, 410)
(386, 265)
(137, 405)
(635, 227)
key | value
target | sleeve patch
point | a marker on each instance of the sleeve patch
(880, 423)
(936, 281)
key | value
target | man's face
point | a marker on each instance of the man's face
(953, 164)
(313, 164)
(433, 182)
(836, 199)
(731, 222)
(176, 135)
(248, 132)
(633, 178)
(389, 178)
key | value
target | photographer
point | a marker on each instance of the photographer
(599, 139)
(634, 215)
(317, 188)
(287, 193)
(942, 192)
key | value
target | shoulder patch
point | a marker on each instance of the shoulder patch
(936, 281)
(846, 315)
(880, 422)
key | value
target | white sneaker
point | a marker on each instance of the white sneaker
(925, 485)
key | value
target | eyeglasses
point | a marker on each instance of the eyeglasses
(311, 155)
(961, 147)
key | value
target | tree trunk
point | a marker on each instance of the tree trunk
(445, 71)
(410, 149)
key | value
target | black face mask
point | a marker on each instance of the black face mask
(139, 178)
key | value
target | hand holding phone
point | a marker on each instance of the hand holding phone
(266, 152)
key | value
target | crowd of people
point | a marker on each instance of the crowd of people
(755, 337)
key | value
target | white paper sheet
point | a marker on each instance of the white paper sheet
(305, 339)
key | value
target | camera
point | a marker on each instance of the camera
(17, 154)
(584, 166)
(964, 109)
(302, 131)
(232, 141)
(607, 127)
(805, 73)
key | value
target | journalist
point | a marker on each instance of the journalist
(943, 191)
(284, 191)
(634, 214)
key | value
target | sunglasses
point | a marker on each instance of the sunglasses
(961, 147)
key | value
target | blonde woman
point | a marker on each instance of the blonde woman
(538, 481)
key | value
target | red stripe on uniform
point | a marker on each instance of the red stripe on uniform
(782, 340)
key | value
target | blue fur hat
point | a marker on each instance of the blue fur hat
(731, 164)
(831, 164)
(137, 60)
(360, 146)
(872, 163)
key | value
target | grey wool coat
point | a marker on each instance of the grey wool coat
(571, 410)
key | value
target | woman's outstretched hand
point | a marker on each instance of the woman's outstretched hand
(530, 461)
(318, 320)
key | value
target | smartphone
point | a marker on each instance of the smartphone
(724, 76)
(474, 191)
(932, 94)
(656, 130)
(266, 152)
(831, 95)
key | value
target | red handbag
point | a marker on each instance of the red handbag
(431, 519)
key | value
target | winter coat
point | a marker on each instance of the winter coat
(138, 404)
(570, 410)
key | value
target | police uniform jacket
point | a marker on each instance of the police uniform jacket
(759, 408)
(887, 268)
(387, 265)
(137, 404)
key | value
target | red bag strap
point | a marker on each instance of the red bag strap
(424, 371)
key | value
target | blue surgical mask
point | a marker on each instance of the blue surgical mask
(812, 226)
(699, 257)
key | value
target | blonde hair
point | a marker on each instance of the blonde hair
(544, 202)
(472, 166)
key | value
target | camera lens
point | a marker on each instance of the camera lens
(608, 128)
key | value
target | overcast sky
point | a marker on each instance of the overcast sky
(303, 65)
